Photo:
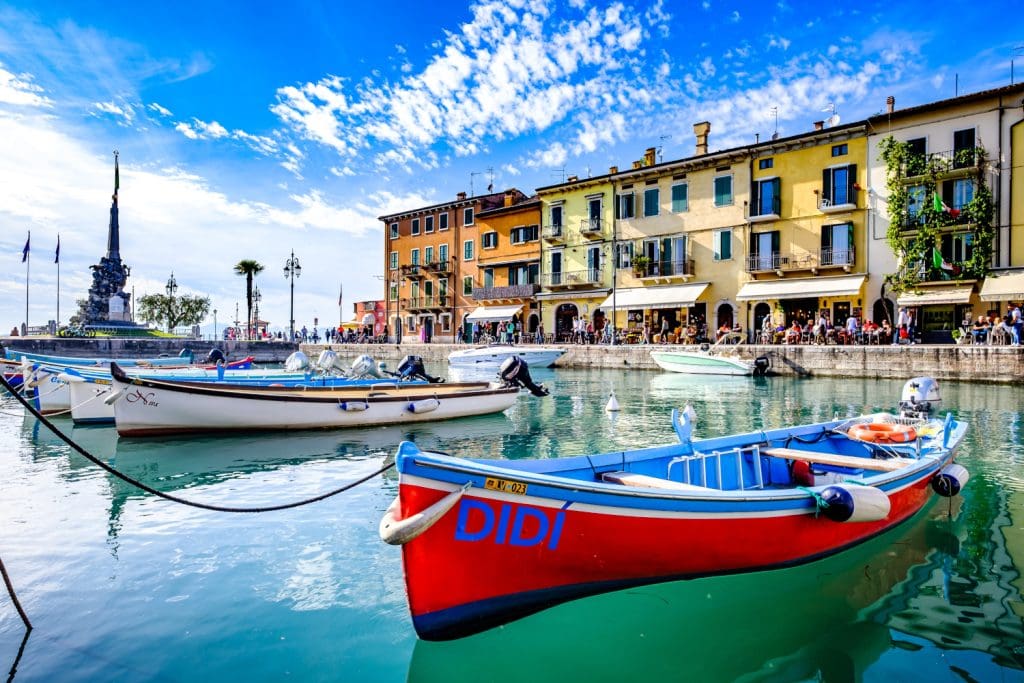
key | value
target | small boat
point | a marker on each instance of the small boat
(496, 354)
(147, 407)
(487, 542)
(713, 359)
(186, 359)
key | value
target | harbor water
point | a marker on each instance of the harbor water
(124, 586)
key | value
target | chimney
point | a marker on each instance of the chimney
(613, 170)
(818, 125)
(649, 156)
(461, 196)
(890, 104)
(701, 130)
(637, 164)
(572, 179)
(510, 197)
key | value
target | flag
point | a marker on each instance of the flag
(117, 175)
(339, 294)
(940, 262)
(942, 207)
(24, 252)
(56, 258)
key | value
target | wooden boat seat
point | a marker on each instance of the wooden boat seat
(851, 461)
(642, 480)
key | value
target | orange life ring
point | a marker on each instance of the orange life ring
(883, 432)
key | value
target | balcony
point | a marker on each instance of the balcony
(768, 209)
(427, 303)
(553, 233)
(664, 269)
(573, 278)
(939, 219)
(413, 271)
(508, 292)
(439, 267)
(591, 226)
(939, 163)
(836, 204)
(836, 258)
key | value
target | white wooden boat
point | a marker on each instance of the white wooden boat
(719, 358)
(494, 355)
(145, 407)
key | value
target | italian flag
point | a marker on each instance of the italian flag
(942, 207)
(939, 262)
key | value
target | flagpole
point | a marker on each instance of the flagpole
(28, 262)
(57, 261)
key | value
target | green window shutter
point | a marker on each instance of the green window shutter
(851, 180)
(651, 201)
(826, 184)
(726, 244)
(775, 241)
(679, 198)
(826, 237)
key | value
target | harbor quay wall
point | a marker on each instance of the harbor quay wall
(999, 364)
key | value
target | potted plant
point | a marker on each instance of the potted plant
(641, 264)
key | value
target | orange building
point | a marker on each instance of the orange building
(429, 253)
(508, 266)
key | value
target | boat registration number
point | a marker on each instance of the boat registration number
(505, 486)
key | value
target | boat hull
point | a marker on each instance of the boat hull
(696, 363)
(494, 356)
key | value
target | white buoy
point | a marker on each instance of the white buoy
(613, 403)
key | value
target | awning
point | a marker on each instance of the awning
(656, 297)
(1003, 287)
(494, 313)
(801, 288)
(941, 295)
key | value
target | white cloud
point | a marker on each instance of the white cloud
(551, 157)
(121, 111)
(163, 111)
(705, 5)
(20, 90)
(734, 17)
(779, 42)
(201, 130)
(510, 169)
(341, 172)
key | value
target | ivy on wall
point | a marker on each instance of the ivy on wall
(914, 237)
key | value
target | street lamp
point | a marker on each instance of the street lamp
(215, 324)
(256, 298)
(172, 287)
(292, 270)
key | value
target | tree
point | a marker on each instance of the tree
(249, 269)
(172, 311)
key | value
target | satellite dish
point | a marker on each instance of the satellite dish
(832, 121)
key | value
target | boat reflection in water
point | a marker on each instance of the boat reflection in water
(811, 622)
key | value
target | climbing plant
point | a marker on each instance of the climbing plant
(914, 235)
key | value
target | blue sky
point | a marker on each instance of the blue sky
(247, 130)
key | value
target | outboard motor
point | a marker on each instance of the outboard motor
(412, 367)
(215, 356)
(186, 354)
(297, 362)
(762, 364)
(364, 367)
(920, 397)
(515, 372)
(328, 361)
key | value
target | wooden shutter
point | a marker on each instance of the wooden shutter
(826, 184)
(851, 180)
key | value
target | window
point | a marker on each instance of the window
(916, 156)
(393, 293)
(414, 290)
(721, 244)
(467, 250)
(837, 185)
(523, 275)
(428, 290)
(836, 245)
(394, 231)
(624, 255)
(680, 198)
(489, 240)
(446, 321)
(428, 224)
(840, 150)
(442, 254)
(467, 285)
(723, 190)
(957, 248)
(428, 255)
(765, 163)
(488, 277)
(651, 201)
(415, 226)
(414, 257)
(555, 272)
(442, 287)
(626, 205)
(594, 213)
(963, 148)
(766, 198)
(556, 215)
(393, 261)
(467, 216)
(764, 250)
(442, 221)
(410, 323)
(523, 233)
(915, 204)
(957, 194)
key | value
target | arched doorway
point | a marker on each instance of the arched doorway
(761, 311)
(724, 316)
(564, 316)
(883, 310)
(532, 322)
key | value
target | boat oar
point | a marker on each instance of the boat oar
(395, 531)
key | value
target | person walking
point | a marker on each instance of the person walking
(902, 327)
(1015, 325)
(663, 335)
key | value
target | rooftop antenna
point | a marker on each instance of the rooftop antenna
(834, 119)
(775, 113)
(490, 174)
(473, 174)
(661, 146)
(560, 172)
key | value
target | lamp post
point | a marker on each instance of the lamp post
(172, 287)
(215, 324)
(292, 270)
(256, 298)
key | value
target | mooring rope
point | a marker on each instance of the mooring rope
(77, 405)
(167, 496)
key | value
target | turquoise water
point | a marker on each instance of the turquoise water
(123, 586)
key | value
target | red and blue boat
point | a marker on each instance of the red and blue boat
(485, 542)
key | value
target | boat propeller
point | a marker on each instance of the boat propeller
(516, 372)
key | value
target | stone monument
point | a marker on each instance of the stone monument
(108, 303)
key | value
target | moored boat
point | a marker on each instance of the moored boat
(494, 355)
(512, 538)
(719, 358)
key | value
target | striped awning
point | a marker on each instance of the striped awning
(936, 296)
(1003, 287)
(801, 288)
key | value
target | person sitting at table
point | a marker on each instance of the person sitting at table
(885, 333)
(723, 330)
(979, 330)
(793, 333)
(691, 334)
(870, 331)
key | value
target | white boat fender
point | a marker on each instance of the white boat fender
(948, 481)
(110, 400)
(424, 406)
(394, 531)
(353, 406)
(854, 503)
(613, 403)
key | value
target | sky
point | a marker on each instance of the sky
(249, 130)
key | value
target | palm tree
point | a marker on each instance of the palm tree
(249, 269)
